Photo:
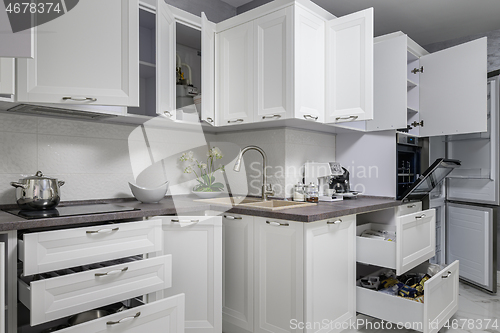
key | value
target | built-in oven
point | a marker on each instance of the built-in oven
(408, 161)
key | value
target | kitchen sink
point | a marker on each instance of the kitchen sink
(257, 203)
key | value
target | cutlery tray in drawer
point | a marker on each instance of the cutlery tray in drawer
(440, 302)
(48, 251)
(63, 293)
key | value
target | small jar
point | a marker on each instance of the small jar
(312, 193)
(299, 192)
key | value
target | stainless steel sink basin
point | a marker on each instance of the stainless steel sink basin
(257, 203)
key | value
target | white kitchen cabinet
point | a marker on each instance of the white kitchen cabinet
(235, 75)
(349, 67)
(2, 288)
(237, 273)
(197, 268)
(273, 34)
(279, 274)
(7, 77)
(14, 44)
(207, 70)
(80, 63)
(166, 316)
(330, 266)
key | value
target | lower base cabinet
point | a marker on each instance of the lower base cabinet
(280, 275)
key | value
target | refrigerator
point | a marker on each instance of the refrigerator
(467, 202)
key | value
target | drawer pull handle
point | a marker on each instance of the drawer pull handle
(115, 272)
(101, 231)
(271, 116)
(346, 118)
(123, 320)
(235, 121)
(420, 217)
(309, 117)
(277, 224)
(80, 99)
(189, 221)
(411, 206)
(446, 276)
(229, 217)
(334, 222)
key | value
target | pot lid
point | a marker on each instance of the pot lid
(38, 176)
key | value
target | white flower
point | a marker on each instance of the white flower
(188, 156)
(203, 165)
(215, 152)
(188, 169)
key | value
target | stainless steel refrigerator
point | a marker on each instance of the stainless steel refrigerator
(467, 203)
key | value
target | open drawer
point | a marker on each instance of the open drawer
(440, 302)
(51, 298)
(415, 242)
(48, 251)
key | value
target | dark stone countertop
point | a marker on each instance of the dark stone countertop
(185, 205)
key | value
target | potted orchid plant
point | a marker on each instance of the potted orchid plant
(204, 172)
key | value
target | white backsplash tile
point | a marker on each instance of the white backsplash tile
(95, 186)
(85, 129)
(18, 123)
(18, 153)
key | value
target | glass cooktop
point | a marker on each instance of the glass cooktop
(63, 211)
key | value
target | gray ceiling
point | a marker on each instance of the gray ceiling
(425, 21)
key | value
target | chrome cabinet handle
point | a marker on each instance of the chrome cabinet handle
(278, 224)
(100, 231)
(235, 121)
(229, 217)
(334, 222)
(271, 116)
(447, 275)
(79, 99)
(309, 117)
(190, 221)
(420, 217)
(167, 113)
(115, 272)
(411, 206)
(346, 118)
(210, 120)
(123, 320)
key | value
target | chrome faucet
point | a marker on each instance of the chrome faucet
(267, 189)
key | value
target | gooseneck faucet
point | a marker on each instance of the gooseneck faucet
(267, 189)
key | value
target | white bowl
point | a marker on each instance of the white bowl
(149, 195)
(207, 195)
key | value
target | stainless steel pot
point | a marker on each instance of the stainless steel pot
(38, 192)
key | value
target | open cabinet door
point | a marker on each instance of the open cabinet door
(453, 90)
(6, 76)
(349, 68)
(14, 45)
(165, 60)
(207, 70)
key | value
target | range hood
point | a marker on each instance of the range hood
(430, 179)
(38, 110)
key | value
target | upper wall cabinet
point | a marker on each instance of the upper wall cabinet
(349, 88)
(6, 77)
(87, 56)
(293, 59)
(14, 45)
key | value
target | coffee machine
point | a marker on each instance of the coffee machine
(340, 183)
(322, 174)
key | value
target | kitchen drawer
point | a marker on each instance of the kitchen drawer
(56, 297)
(415, 242)
(48, 251)
(440, 302)
(166, 316)
(409, 208)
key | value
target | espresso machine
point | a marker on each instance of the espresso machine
(323, 175)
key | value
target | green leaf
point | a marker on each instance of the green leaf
(218, 185)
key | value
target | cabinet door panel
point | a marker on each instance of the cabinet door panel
(453, 90)
(165, 60)
(207, 70)
(80, 63)
(350, 68)
(6, 76)
(390, 97)
(237, 273)
(279, 274)
(14, 45)
(235, 95)
(309, 67)
(273, 37)
(330, 263)
(196, 269)
(2, 287)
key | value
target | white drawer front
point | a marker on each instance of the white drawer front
(66, 295)
(440, 302)
(166, 316)
(53, 250)
(409, 208)
(415, 242)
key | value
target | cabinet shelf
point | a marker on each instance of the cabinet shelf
(410, 84)
(147, 69)
(405, 174)
(411, 110)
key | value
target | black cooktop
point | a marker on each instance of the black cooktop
(62, 211)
